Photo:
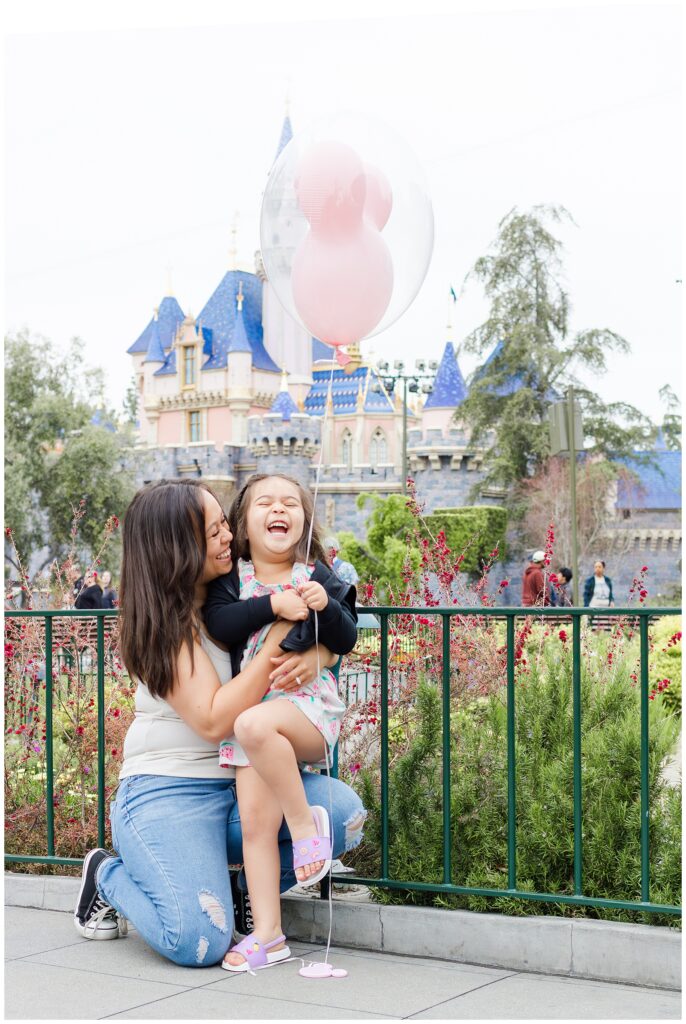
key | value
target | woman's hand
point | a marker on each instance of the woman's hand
(293, 671)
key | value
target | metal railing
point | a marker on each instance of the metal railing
(639, 617)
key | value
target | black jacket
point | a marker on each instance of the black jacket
(232, 621)
(90, 597)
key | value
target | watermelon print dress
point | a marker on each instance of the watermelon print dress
(318, 700)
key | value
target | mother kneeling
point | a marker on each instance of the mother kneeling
(175, 822)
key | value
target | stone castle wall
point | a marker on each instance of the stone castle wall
(445, 470)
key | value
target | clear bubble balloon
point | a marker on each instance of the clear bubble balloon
(347, 206)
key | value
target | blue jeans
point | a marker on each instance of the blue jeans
(175, 837)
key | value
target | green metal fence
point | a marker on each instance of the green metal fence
(640, 617)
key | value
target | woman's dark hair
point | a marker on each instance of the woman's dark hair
(567, 573)
(238, 520)
(164, 551)
(601, 562)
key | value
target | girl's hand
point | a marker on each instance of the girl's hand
(314, 596)
(289, 605)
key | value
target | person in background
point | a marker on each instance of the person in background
(345, 571)
(109, 595)
(91, 595)
(76, 581)
(534, 589)
(560, 592)
(598, 588)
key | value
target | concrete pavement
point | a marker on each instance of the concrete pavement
(52, 973)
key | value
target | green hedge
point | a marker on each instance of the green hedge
(474, 529)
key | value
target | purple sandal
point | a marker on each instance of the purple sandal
(309, 851)
(257, 954)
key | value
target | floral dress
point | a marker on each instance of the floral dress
(318, 700)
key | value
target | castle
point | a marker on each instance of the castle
(242, 388)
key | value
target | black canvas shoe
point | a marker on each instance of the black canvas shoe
(93, 917)
(242, 911)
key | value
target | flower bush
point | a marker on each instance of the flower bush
(610, 719)
(74, 720)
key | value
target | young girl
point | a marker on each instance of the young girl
(272, 518)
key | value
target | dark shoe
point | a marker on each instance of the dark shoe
(242, 911)
(93, 917)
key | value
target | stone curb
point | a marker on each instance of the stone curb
(630, 954)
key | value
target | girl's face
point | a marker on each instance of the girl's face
(599, 569)
(275, 518)
(218, 538)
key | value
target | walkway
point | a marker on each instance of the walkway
(51, 973)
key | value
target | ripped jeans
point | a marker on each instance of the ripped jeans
(175, 837)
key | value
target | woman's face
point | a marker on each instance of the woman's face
(275, 518)
(218, 538)
(599, 569)
(106, 579)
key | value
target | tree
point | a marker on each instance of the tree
(547, 499)
(50, 400)
(534, 357)
(671, 422)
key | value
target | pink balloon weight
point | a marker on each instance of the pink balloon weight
(378, 201)
(342, 289)
(330, 185)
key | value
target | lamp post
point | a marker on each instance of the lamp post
(567, 438)
(421, 379)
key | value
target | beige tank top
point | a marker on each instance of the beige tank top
(159, 742)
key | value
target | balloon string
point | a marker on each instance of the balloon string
(329, 395)
(319, 461)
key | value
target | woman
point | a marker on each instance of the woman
(175, 821)
(598, 588)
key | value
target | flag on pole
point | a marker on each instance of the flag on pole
(452, 292)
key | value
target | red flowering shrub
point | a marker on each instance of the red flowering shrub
(74, 719)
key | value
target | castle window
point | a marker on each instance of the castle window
(194, 426)
(188, 366)
(347, 449)
(378, 448)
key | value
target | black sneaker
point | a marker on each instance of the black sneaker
(242, 911)
(93, 917)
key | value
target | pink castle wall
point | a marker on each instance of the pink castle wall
(170, 427)
(219, 426)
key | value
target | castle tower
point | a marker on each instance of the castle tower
(288, 344)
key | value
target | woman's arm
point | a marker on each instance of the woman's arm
(211, 709)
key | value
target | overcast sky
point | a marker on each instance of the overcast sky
(128, 150)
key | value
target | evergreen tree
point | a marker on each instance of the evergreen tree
(535, 358)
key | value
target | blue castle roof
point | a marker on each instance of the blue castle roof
(219, 321)
(513, 382)
(449, 388)
(284, 405)
(169, 316)
(322, 351)
(169, 365)
(238, 342)
(155, 351)
(286, 136)
(344, 391)
(657, 484)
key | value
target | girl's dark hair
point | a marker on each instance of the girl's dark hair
(238, 519)
(164, 551)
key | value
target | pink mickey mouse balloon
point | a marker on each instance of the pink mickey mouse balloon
(346, 228)
(378, 201)
(342, 289)
(330, 184)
